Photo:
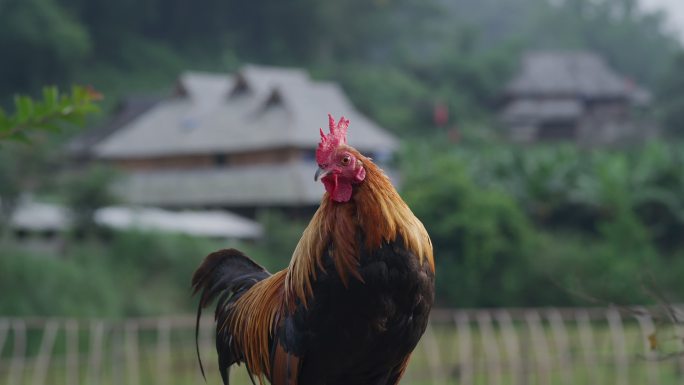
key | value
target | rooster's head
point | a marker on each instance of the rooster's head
(338, 166)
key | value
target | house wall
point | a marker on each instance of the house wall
(271, 156)
(557, 130)
(175, 162)
(522, 132)
(608, 121)
(604, 121)
(608, 109)
(268, 156)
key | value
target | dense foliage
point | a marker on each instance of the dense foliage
(102, 279)
(398, 59)
(506, 221)
(511, 225)
(671, 97)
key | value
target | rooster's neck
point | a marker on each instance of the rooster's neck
(376, 211)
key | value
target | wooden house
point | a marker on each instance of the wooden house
(240, 142)
(573, 96)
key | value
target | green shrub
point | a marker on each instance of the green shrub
(534, 225)
(482, 240)
(133, 273)
(33, 284)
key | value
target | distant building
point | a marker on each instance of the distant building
(573, 96)
(239, 142)
(44, 223)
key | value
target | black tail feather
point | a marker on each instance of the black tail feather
(199, 358)
(224, 274)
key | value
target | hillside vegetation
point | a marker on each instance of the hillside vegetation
(512, 226)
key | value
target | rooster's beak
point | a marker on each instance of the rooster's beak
(320, 173)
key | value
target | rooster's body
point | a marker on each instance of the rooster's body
(355, 299)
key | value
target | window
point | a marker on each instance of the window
(557, 130)
(220, 160)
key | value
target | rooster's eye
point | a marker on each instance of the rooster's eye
(346, 160)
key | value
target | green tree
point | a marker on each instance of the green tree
(671, 96)
(86, 191)
(27, 166)
(41, 44)
(482, 240)
(629, 38)
(9, 188)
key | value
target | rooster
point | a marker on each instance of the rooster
(355, 298)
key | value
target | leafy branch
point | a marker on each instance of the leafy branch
(54, 111)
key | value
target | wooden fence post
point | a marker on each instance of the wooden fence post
(163, 351)
(512, 345)
(617, 335)
(465, 348)
(71, 335)
(560, 338)
(117, 355)
(588, 346)
(679, 333)
(647, 329)
(541, 347)
(4, 331)
(43, 360)
(491, 348)
(16, 372)
(97, 330)
(132, 353)
(431, 349)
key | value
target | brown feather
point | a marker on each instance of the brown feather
(285, 367)
(253, 322)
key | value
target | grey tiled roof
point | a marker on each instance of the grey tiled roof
(258, 108)
(580, 74)
(127, 110)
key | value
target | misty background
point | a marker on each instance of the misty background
(563, 214)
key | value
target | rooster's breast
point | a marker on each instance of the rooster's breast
(359, 332)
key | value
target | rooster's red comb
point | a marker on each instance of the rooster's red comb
(336, 137)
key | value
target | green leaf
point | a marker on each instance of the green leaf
(4, 121)
(20, 136)
(49, 113)
(50, 97)
(24, 106)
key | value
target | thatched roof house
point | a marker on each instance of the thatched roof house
(240, 142)
(573, 96)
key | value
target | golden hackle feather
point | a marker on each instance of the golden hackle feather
(376, 209)
(383, 215)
